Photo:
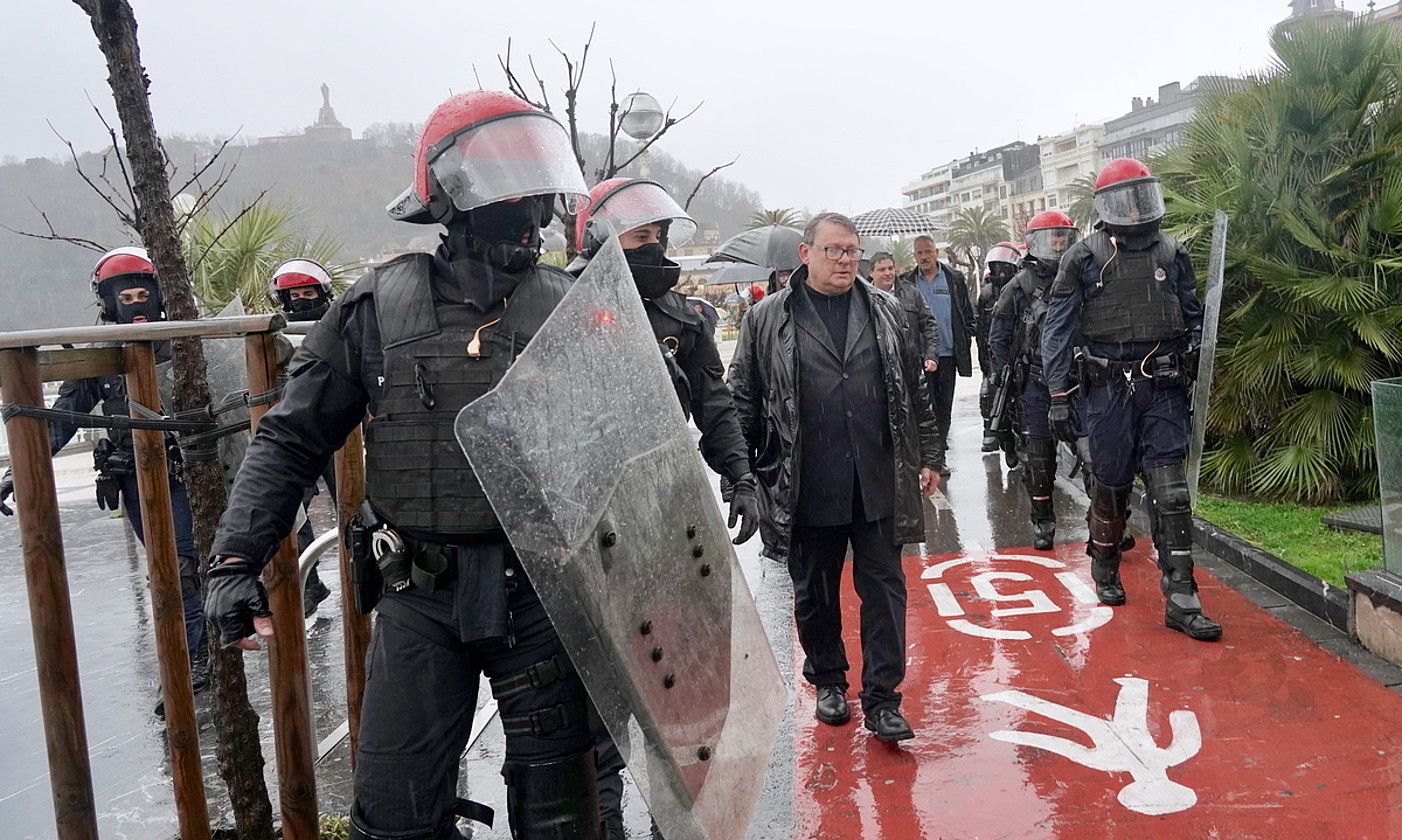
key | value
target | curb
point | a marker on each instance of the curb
(1327, 602)
(1324, 601)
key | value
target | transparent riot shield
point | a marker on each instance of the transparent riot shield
(1202, 386)
(596, 479)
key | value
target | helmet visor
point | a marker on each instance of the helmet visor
(639, 203)
(514, 156)
(1003, 254)
(1131, 203)
(1049, 244)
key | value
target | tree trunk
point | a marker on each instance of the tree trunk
(238, 749)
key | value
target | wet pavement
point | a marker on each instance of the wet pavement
(1038, 712)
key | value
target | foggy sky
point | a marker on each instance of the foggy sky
(829, 105)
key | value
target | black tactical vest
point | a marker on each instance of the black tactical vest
(1036, 291)
(416, 474)
(1136, 302)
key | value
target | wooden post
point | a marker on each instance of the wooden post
(287, 650)
(350, 490)
(50, 614)
(167, 604)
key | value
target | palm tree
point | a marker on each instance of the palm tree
(783, 216)
(236, 256)
(1080, 204)
(974, 231)
(1307, 160)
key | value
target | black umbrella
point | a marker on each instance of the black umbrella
(737, 274)
(771, 246)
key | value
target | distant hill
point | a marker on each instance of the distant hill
(340, 189)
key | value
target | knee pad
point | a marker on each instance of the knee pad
(1109, 508)
(446, 830)
(554, 800)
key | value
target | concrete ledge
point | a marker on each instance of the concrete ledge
(1326, 602)
(1376, 618)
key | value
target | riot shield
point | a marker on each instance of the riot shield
(1202, 386)
(596, 479)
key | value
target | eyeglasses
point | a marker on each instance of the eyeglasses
(835, 253)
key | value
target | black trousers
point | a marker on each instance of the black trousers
(420, 696)
(941, 385)
(815, 565)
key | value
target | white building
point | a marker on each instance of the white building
(1067, 157)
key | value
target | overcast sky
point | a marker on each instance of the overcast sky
(829, 105)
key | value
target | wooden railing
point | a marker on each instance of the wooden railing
(27, 360)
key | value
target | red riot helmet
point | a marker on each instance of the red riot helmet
(483, 147)
(619, 205)
(126, 266)
(1050, 234)
(296, 274)
(1127, 195)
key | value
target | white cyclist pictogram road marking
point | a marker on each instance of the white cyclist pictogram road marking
(1122, 744)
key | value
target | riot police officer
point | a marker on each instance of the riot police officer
(646, 221)
(302, 289)
(124, 281)
(999, 265)
(1015, 345)
(1128, 292)
(412, 342)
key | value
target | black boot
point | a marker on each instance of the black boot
(1109, 508)
(612, 828)
(314, 593)
(1173, 537)
(1038, 477)
(357, 830)
(558, 800)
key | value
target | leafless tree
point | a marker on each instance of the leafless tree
(148, 209)
(614, 161)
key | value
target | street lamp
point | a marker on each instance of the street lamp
(642, 118)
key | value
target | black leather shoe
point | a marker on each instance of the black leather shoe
(990, 443)
(889, 726)
(832, 706)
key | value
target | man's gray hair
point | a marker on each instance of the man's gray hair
(810, 233)
(927, 237)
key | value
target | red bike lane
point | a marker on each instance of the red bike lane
(1042, 714)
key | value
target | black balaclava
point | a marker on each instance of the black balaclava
(153, 307)
(482, 250)
(1000, 273)
(304, 309)
(1136, 237)
(653, 273)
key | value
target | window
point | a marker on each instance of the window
(1066, 146)
(1051, 201)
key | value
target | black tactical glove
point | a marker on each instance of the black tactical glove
(744, 507)
(1063, 421)
(7, 489)
(236, 595)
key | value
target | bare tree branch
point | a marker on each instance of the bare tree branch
(220, 235)
(697, 188)
(121, 161)
(544, 97)
(126, 217)
(218, 153)
(55, 236)
(667, 122)
(610, 169)
(575, 77)
(513, 84)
